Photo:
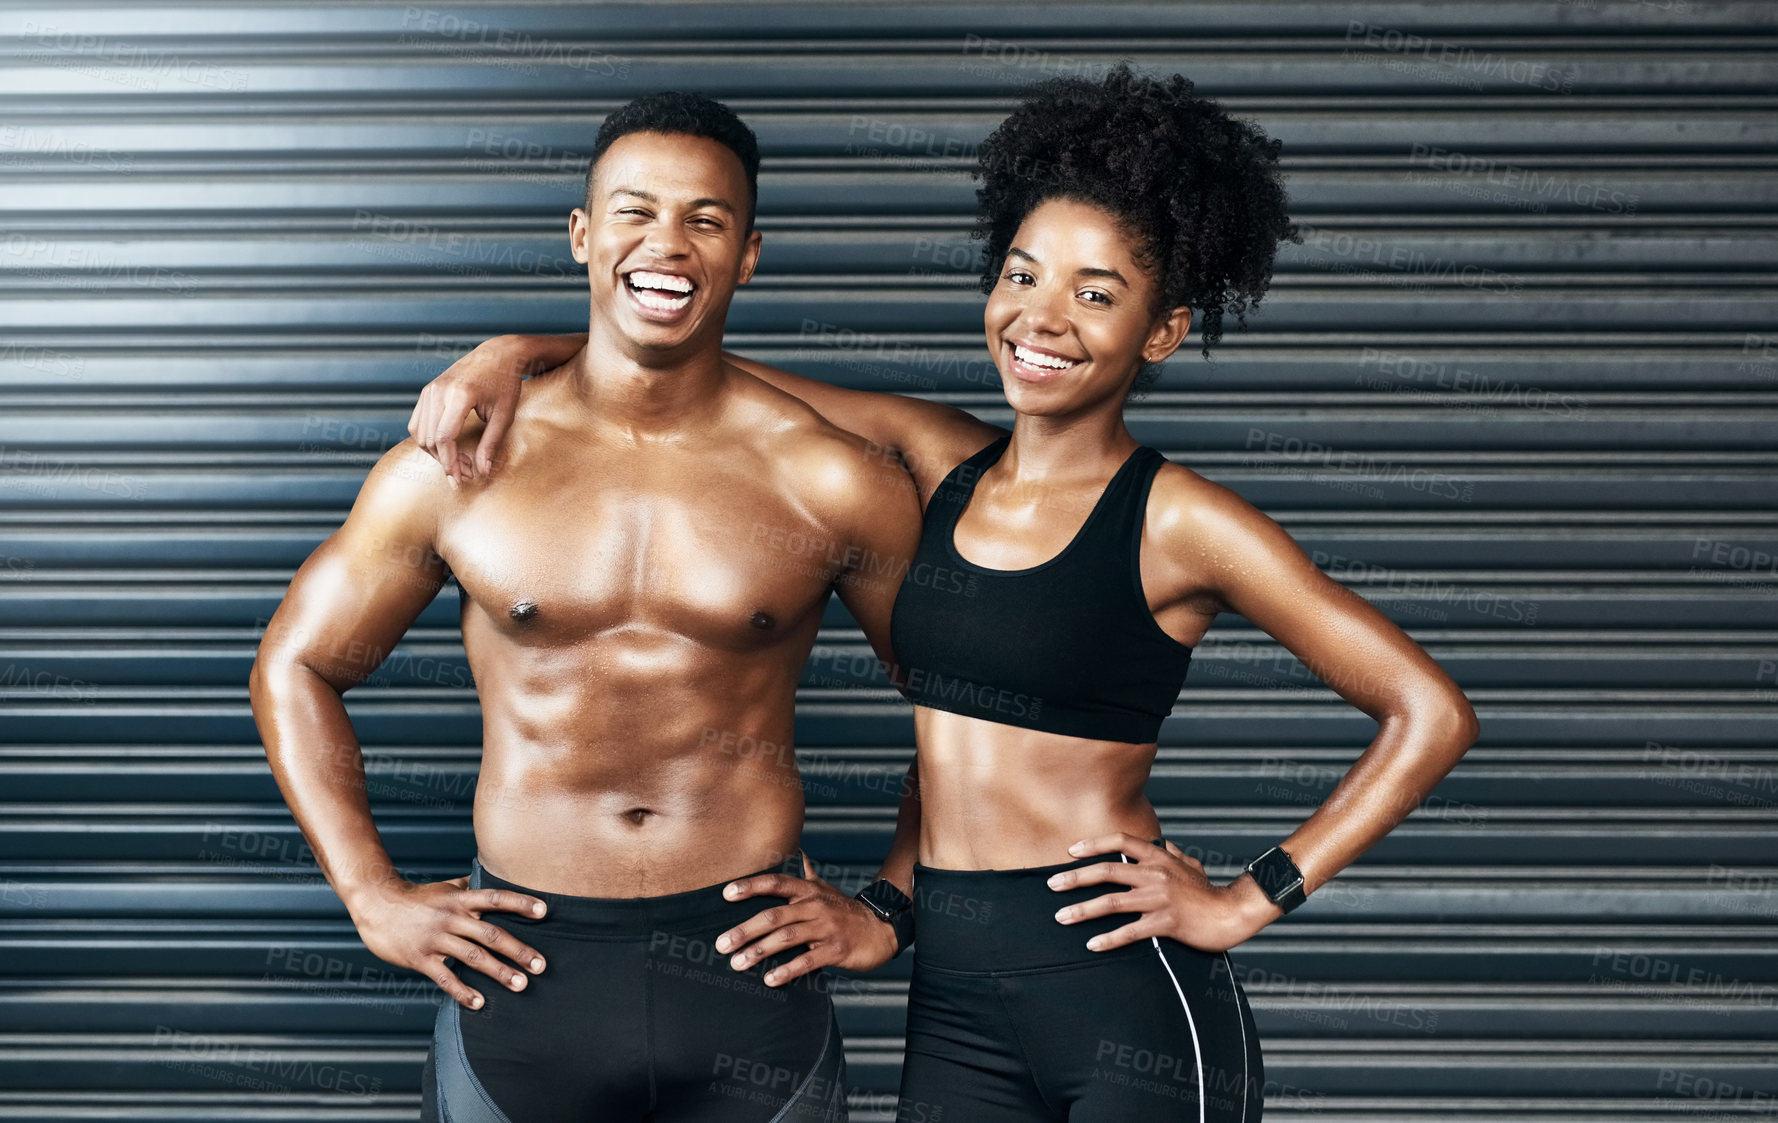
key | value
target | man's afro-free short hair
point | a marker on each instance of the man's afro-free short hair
(677, 112)
(1198, 190)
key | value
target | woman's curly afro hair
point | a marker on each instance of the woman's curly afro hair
(1198, 190)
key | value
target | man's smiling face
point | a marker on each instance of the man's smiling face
(665, 240)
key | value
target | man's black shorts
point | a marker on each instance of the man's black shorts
(637, 1017)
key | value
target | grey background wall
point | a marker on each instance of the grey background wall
(1519, 386)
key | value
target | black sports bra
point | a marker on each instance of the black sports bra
(1068, 646)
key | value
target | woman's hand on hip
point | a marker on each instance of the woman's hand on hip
(1171, 892)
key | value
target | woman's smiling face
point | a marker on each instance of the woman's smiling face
(1070, 320)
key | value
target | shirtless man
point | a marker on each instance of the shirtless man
(643, 577)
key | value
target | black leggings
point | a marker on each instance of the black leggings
(1011, 1019)
(637, 1017)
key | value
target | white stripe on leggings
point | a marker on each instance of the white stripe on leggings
(1242, 1022)
(1191, 1022)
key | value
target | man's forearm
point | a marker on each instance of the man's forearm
(319, 767)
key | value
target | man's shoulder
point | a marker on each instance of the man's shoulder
(824, 462)
(402, 499)
(408, 482)
(787, 426)
(408, 471)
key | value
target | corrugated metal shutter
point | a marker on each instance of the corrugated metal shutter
(1518, 386)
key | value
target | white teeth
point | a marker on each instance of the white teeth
(1047, 362)
(666, 281)
(655, 300)
(651, 290)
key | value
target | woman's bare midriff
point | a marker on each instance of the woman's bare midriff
(1003, 797)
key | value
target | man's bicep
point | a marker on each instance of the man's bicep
(356, 595)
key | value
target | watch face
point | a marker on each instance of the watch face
(1276, 873)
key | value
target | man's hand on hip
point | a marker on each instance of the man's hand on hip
(417, 926)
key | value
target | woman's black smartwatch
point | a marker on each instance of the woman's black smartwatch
(892, 905)
(1278, 877)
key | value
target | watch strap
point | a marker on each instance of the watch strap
(886, 899)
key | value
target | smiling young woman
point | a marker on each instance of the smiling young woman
(1072, 963)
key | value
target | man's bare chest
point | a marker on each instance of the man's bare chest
(717, 557)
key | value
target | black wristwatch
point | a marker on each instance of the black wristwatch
(1278, 877)
(891, 904)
